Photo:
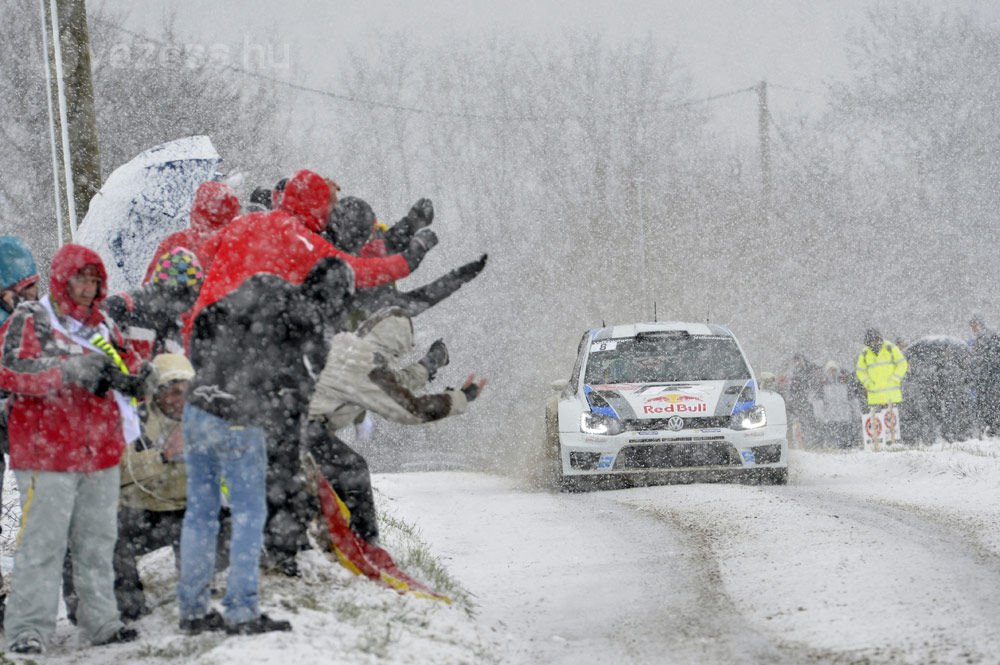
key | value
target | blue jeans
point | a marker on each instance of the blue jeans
(214, 449)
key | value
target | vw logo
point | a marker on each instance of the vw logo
(675, 423)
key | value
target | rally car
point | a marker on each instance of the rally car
(670, 401)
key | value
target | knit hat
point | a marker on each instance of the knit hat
(178, 267)
(17, 266)
(873, 338)
(172, 367)
(351, 223)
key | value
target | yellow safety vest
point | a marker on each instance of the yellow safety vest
(882, 373)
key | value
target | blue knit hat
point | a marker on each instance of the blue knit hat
(17, 265)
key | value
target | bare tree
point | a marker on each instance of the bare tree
(148, 90)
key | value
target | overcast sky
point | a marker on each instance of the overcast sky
(796, 45)
(726, 44)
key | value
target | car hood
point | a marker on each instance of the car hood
(649, 401)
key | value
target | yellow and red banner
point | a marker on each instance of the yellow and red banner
(358, 555)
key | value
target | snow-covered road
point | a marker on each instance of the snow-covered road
(864, 558)
(874, 558)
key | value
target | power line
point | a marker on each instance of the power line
(794, 89)
(371, 103)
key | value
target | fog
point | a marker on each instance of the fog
(609, 162)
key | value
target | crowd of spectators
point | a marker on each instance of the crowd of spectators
(950, 392)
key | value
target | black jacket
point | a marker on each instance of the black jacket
(150, 317)
(257, 352)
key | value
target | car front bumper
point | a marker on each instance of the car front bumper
(686, 451)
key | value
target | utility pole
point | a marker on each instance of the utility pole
(763, 127)
(74, 119)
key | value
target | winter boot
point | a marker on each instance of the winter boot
(262, 624)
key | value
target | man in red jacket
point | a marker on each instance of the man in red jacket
(286, 242)
(215, 205)
(70, 417)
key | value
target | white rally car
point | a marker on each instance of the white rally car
(665, 400)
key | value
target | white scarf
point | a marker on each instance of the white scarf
(77, 331)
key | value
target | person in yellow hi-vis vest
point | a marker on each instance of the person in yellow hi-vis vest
(880, 369)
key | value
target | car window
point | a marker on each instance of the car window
(663, 359)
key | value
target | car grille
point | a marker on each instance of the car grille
(678, 455)
(638, 424)
(584, 461)
(767, 454)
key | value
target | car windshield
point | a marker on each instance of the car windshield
(664, 358)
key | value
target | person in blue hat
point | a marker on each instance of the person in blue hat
(18, 281)
(18, 275)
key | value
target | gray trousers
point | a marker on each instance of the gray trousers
(60, 509)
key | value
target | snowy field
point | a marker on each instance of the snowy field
(889, 557)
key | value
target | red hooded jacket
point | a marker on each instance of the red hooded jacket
(286, 243)
(215, 205)
(52, 425)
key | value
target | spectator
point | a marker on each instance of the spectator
(768, 381)
(985, 365)
(260, 200)
(286, 242)
(153, 491)
(215, 205)
(18, 275)
(803, 388)
(67, 430)
(18, 282)
(154, 486)
(254, 352)
(837, 414)
(351, 228)
(151, 316)
(150, 319)
(363, 372)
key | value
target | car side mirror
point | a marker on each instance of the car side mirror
(559, 385)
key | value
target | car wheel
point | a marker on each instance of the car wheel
(553, 461)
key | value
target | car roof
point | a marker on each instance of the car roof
(632, 329)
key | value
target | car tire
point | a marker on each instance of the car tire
(552, 459)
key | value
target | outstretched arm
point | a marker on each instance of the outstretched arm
(445, 285)
(423, 298)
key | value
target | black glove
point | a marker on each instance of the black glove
(136, 385)
(467, 272)
(421, 214)
(91, 371)
(471, 392)
(435, 358)
(421, 243)
(399, 236)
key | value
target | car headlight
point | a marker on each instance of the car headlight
(752, 418)
(595, 423)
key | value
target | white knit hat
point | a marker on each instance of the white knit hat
(172, 367)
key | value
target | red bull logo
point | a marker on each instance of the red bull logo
(674, 403)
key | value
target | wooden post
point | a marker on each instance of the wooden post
(763, 127)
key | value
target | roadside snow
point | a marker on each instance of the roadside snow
(337, 617)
